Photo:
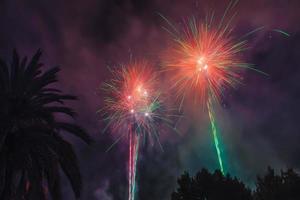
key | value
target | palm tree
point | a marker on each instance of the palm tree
(32, 149)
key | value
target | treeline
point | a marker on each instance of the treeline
(215, 186)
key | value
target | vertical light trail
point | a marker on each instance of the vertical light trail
(215, 135)
(135, 158)
(130, 167)
(134, 142)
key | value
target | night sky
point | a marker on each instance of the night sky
(259, 121)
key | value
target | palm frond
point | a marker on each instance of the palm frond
(31, 148)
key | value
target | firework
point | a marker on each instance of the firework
(205, 60)
(134, 108)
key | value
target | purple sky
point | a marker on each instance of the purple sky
(259, 124)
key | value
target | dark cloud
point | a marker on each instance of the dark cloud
(259, 124)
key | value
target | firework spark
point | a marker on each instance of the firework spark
(205, 59)
(134, 108)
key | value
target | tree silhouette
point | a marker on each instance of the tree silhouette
(210, 186)
(285, 186)
(214, 186)
(32, 149)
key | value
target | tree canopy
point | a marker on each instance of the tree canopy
(215, 186)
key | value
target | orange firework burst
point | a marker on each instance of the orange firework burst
(204, 58)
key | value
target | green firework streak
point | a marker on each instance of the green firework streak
(215, 135)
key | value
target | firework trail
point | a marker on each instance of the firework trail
(215, 135)
(133, 158)
(134, 108)
(204, 59)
